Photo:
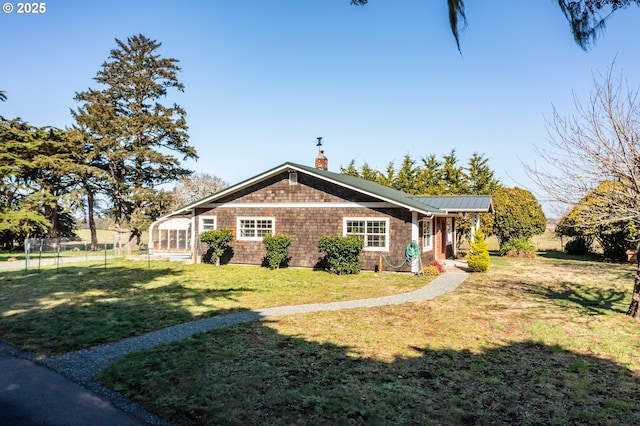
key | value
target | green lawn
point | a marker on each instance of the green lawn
(539, 341)
(85, 305)
(533, 341)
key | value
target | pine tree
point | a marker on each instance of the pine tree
(453, 177)
(406, 179)
(350, 170)
(480, 178)
(135, 135)
(431, 175)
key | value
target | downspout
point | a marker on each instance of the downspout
(415, 230)
(194, 249)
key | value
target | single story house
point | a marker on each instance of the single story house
(310, 202)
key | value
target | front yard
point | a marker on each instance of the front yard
(537, 341)
(81, 306)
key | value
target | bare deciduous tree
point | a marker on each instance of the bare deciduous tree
(195, 187)
(599, 142)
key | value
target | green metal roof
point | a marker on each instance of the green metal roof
(427, 204)
(458, 203)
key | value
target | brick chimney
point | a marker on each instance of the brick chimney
(322, 162)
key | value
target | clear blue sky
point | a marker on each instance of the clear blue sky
(264, 78)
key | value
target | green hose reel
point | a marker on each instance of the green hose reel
(411, 254)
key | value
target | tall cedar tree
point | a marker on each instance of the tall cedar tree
(36, 175)
(134, 134)
(91, 176)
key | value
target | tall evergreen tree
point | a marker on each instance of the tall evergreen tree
(480, 177)
(370, 173)
(18, 217)
(406, 178)
(431, 175)
(50, 177)
(453, 176)
(135, 134)
(91, 176)
(36, 174)
(351, 169)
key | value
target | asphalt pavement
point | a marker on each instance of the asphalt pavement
(34, 395)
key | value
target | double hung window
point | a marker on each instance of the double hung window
(255, 228)
(426, 234)
(373, 231)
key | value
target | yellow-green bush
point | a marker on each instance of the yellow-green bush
(478, 259)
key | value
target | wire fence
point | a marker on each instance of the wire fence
(46, 252)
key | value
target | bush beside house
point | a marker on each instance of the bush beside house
(218, 241)
(342, 253)
(277, 247)
(478, 260)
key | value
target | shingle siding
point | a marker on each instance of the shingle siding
(306, 224)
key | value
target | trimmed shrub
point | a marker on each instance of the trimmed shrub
(218, 241)
(430, 271)
(342, 253)
(578, 245)
(518, 247)
(478, 260)
(277, 247)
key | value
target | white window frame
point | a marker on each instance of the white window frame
(427, 225)
(239, 229)
(364, 235)
(201, 220)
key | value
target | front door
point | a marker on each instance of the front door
(442, 246)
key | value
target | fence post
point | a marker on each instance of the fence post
(40, 254)
(58, 256)
(26, 254)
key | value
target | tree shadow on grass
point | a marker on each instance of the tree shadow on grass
(250, 374)
(83, 307)
(556, 254)
(593, 301)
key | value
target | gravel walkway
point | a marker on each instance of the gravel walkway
(83, 365)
